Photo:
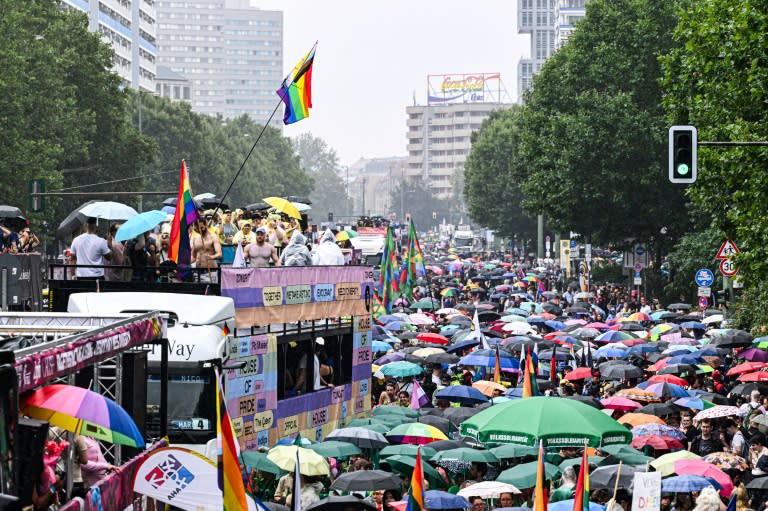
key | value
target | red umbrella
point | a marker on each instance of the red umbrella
(702, 468)
(661, 364)
(668, 378)
(579, 374)
(758, 376)
(432, 338)
(620, 403)
(656, 442)
(746, 367)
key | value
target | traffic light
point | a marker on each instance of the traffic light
(682, 154)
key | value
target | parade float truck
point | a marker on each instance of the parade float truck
(371, 241)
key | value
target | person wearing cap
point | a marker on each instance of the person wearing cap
(260, 253)
(226, 230)
(89, 249)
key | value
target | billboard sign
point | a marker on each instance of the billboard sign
(464, 88)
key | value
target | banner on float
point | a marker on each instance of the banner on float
(265, 296)
(646, 495)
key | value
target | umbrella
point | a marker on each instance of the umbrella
(466, 454)
(341, 503)
(283, 206)
(487, 358)
(620, 403)
(702, 468)
(579, 374)
(436, 499)
(442, 358)
(638, 395)
(432, 338)
(335, 449)
(760, 376)
(487, 490)
(659, 410)
(415, 433)
(461, 394)
(367, 480)
(72, 222)
(10, 212)
(259, 461)
(626, 454)
(441, 423)
(637, 419)
(394, 410)
(667, 390)
(139, 224)
(443, 445)
(421, 319)
(83, 412)
(426, 304)
(587, 400)
(405, 465)
(694, 403)
(605, 477)
(407, 450)
(526, 421)
(311, 463)
(667, 378)
(401, 369)
(524, 474)
(666, 463)
(513, 451)
(733, 338)
(109, 210)
(620, 372)
(656, 442)
(567, 505)
(361, 437)
(745, 389)
(687, 484)
(754, 355)
(425, 352)
(658, 429)
(489, 388)
(727, 461)
(716, 412)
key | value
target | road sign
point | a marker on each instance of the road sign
(704, 291)
(638, 280)
(704, 278)
(728, 268)
(727, 249)
(638, 267)
(703, 302)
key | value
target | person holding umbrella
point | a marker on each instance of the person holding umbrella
(91, 250)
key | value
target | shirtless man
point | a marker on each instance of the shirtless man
(259, 254)
(206, 250)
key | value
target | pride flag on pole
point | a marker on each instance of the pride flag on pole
(540, 495)
(296, 91)
(581, 493)
(413, 261)
(530, 386)
(389, 289)
(230, 477)
(497, 368)
(416, 499)
(179, 249)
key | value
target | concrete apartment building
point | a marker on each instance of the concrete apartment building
(231, 53)
(130, 27)
(371, 182)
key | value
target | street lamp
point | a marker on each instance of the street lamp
(402, 192)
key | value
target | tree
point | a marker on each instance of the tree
(329, 194)
(491, 192)
(420, 202)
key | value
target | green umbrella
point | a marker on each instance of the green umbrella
(258, 461)
(555, 421)
(395, 410)
(382, 420)
(407, 450)
(378, 428)
(593, 460)
(335, 449)
(404, 465)
(524, 475)
(513, 451)
(465, 454)
(626, 454)
(427, 303)
(400, 369)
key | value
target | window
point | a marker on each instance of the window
(295, 376)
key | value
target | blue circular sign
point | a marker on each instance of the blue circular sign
(639, 250)
(704, 277)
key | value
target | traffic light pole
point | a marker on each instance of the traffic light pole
(735, 143)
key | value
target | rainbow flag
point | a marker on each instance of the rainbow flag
(389, 288)
(416, 499)
(179, 249)
(497, 368)
(413, 261)
(296, 91)
(230, 478)
(581, 493)
(530, 387)
(540, 494)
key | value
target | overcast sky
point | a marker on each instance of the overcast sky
(373, 56)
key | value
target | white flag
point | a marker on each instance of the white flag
(476, 333)
(239, 260)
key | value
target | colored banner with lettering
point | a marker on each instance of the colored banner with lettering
(265, 296)
(40, 368)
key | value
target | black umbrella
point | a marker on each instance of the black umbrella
(258, 206)
(758, 484)
(9, 212)
(552, 308)
(274, 506)
(457, 415)
(72, 222)
(442, 358)
(210, 203)
(605, 477)
(466, 307)
(620, 372)
(460, 320)
(341, 503)
(488, 316)
(733, 338)
(719, 399)
(444, 445)
(587, 400)
(440, 423)
(631, 326)
(659, 410)
(367, 480)
(561, 355)
(677, 369)
(745, 389)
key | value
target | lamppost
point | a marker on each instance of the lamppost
(402, 193)
(363, 190)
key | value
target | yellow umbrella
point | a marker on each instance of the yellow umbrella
(310, 463)
(666, 463)
(284, 206)
(342, 236)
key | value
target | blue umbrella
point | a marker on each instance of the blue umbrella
(139, 224)
(169, 210)
(694, 325)
(643, 348)
(436, 499)
(555, 325)
(461, 394)
(487, 358)
(685, 359)
(381, 346)
(390, 357)
(514, 393)
(388, 318)
(667, 390)
(691, 402)
(687, 484)
(396, 325)
(567, 505)
(611, 352)
(462, 345)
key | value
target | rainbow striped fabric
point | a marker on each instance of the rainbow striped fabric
(416, 499)
(530, 386)
(296, 91)
(389, 289)
(581, 494)
(414, 262)
(179, 250)
(540, 495)
(230, 478)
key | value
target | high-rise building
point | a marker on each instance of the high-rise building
(129, 26)
(568, 13)
(439, 133)
(232, 54)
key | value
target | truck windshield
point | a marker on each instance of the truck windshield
(192, 406)
(463, 242)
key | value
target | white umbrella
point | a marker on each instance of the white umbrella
(487, 490)
(715, 318)
(206, 195)
(108, 210)
(301, 206)
(518, 328)
(421, 319)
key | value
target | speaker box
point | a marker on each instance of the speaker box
(134, 390)
(28, 447)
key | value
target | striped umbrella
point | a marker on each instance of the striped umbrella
(658, 430)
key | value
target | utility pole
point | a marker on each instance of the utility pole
(402, 193)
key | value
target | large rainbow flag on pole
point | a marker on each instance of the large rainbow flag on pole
(416, 499)
(389, 288)
(413, 261)
(530, 386)
(296, 91)
(540, 494)
(230, 478)
(581, 493)
(179, 250)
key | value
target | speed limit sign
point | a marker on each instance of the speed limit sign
(728, 268)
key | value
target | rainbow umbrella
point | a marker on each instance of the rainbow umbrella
(415, 433)
(83, 412)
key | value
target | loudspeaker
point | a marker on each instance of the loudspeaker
(28, 448)
(134, 398)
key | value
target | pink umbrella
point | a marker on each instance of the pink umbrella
(702, 468)
(620, 403)
(754, 355)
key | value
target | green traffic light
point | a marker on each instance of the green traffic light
(682, 169)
